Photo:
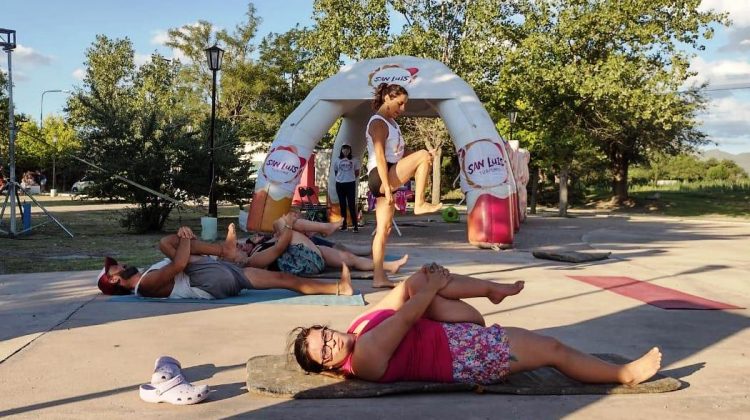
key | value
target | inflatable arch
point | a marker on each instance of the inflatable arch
(434, 91)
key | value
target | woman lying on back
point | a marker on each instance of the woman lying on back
(422, 331)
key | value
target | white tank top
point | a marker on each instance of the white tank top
(394, 144)
(181, 289)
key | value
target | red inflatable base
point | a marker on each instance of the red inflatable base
(490, 222)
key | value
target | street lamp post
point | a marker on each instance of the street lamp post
(214, 55)
(512, 115)
(53, 190)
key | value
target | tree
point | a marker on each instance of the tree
(607, 71)
(35, 149)
(256, 94)
(131, 124)
(432, 135)
(724, 170)
(344, 30)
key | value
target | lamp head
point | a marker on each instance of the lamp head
(7, 39)
(512, 115)
(214, 55)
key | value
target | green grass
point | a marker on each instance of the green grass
(97, 234)
(695, 199)
(734, 204)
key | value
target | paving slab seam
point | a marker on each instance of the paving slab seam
(18, 350)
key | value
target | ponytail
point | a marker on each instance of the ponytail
(384, 89)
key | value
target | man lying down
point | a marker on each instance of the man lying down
(189, 272)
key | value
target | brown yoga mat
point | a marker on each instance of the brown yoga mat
(571, 256)
(659, 296)
(280, 376)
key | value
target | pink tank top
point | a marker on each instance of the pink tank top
(423, 354)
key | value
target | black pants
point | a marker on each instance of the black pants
(347, 199)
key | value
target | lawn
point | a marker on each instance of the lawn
(735, 204)
(97, 233)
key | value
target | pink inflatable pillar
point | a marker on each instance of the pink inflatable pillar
(487, 179)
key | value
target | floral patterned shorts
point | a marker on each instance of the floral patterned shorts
(300, 260)
(481, 355)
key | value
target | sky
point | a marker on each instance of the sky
(53, 36)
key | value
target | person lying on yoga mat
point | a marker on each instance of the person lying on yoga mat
(189, 272)
(291, 250)
(423, 331)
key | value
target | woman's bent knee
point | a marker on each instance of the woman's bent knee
(415, 283)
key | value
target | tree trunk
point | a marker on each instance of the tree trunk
(534, 188)
(563, 207)
(620, 179)
(436, 175)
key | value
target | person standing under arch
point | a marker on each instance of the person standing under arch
(388, 168)
(346, 170)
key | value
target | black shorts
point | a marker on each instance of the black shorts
(374, 182)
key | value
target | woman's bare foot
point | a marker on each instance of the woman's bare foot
(229, 247)
(331, 227)
(425, 208)
(498, 291)
(394, 266)
(345, 283)
(640, 370)
(382, 282)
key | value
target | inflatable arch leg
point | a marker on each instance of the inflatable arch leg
(288, 154)
(486, 174)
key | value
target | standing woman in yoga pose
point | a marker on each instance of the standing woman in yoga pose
(388, 169)
(422, 331)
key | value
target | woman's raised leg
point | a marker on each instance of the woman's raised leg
(530, 350)
(442, 309)
(462, 287)
(415, 165)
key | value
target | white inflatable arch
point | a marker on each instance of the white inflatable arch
(434, 91)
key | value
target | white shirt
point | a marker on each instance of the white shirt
(394, 144)
(345, 169)
(181, 289)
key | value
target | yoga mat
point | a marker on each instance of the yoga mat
(571, 256)
(270, 296)
(280, 376)
(661, 297)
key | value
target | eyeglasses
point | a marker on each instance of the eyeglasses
(326, 352)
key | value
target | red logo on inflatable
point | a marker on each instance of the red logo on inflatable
(392, 74)
(483, 164)
(283, 164)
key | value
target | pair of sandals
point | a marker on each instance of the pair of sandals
(169, 385)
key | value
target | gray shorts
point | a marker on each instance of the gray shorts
(219, 278)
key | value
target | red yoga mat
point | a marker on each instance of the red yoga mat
(661, 297)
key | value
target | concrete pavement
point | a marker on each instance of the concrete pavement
(68, 353)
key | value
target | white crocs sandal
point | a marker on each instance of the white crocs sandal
(165, 368)
(177, 391)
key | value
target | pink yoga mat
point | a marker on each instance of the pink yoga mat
(661, 297)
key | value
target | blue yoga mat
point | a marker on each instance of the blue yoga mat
(270, 296)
